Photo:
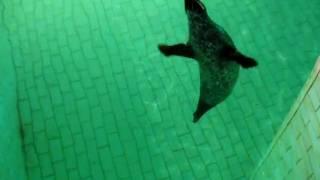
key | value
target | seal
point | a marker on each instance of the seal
(218, 58)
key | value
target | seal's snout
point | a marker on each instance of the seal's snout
(195, 6)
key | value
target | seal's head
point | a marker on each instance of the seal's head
(195, 7)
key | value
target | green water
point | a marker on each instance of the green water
(96, 100)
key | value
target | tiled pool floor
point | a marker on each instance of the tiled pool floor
(98, 101)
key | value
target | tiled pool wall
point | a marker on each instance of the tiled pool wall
(97, 100)
(295, 150)
(11, 157)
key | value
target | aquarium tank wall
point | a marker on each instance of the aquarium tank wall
(86, 94)
(11, 155)
(295, 149)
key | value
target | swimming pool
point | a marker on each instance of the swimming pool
(96, 100)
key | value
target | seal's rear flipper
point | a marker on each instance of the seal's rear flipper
(232, 54)
(177, 49)
(202, 108)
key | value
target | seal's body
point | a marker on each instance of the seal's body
(214, 50)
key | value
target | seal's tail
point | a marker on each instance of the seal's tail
(202, 108)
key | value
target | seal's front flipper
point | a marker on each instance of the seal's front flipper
(202, 108)
(232, 54)
(178, 50)
(244, 61)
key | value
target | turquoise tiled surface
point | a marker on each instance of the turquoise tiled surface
(11, 154)
(97, 100)
(294, 150)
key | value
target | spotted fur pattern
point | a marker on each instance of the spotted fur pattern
(218, 75)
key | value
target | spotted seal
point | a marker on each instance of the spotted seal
(218, 58)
